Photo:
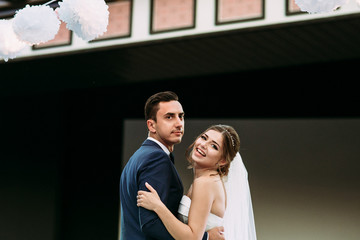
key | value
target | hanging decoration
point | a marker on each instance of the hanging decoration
(10, 45)
(88, 19)
(36, 24)
(319, 6)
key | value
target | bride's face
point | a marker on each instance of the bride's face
(208, 149)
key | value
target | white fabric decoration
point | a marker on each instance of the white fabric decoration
(10, 45)
(86, 18)
(36, 24)
(319, 6)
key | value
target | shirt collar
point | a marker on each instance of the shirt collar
(160, 144)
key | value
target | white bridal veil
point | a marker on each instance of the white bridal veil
(239, 221)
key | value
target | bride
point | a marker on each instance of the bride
(219, 194)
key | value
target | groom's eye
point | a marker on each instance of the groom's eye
(168, 116)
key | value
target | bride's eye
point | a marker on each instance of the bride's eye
(214, 146)
(203, 137)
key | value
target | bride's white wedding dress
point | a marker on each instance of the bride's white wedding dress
(238, 220)
(183, 213)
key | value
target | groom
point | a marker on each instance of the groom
(153, 162)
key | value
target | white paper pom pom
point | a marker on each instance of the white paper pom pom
(36, 24)
(319, 6)
(86, 18)
(10, 46)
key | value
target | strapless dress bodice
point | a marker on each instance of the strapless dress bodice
(183, 214)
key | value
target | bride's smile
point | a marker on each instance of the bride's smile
(201, 152)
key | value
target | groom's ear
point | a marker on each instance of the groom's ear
(151, 125)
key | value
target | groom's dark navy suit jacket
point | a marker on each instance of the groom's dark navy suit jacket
(148, 164)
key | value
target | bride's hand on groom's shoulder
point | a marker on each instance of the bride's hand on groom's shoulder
(149, 200)
(216, 233)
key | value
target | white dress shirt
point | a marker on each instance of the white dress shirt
(160, 144)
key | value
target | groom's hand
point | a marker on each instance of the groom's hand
(216, 233)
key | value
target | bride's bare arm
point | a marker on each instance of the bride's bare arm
(201, 203)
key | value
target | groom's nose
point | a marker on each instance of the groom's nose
(179, 122)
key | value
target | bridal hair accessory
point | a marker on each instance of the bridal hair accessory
(239, 220)
(88, 19)
(320, 6)
(231, 137)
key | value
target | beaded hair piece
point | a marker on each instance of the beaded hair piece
(231, 137)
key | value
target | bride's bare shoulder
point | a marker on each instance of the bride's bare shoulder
(204, 181)
(204, 188)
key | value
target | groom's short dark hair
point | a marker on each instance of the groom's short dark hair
(152, 104)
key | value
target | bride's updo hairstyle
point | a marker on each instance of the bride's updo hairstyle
(231, 146)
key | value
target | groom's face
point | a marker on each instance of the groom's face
(169, 125)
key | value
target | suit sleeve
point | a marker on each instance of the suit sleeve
(155, 171)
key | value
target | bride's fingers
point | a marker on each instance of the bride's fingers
(150, 188)
(141, 192)
(141, 195)
(138, 200)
